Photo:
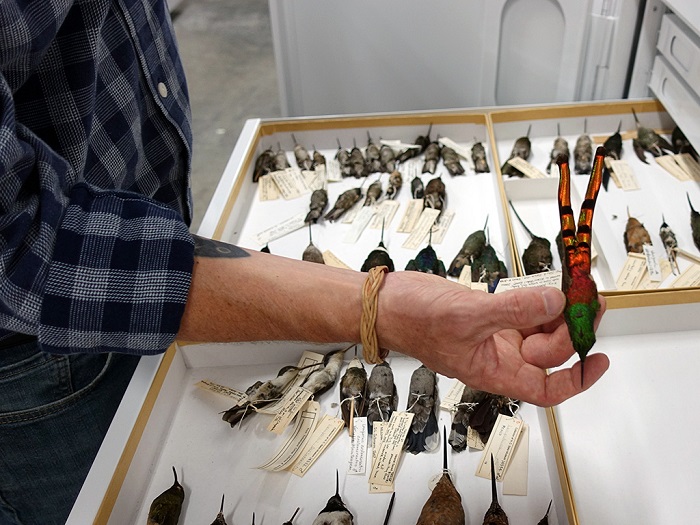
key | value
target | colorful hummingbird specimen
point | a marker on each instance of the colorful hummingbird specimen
(670, 244)
(424, 434)
(345, 201)
(378, 257)
(694, 223)
(291, 520)
(521, 148)
(635, 235)
(444, 506)
(471, 249)
(537, 257)
(422, 141)
(220, 520)
(382, 397)
(317, 205)
(481, 165)
(335, 512)
(561, 147)
(395, 183)
(577, 284)
(301, 154)
(495, 515)
(353, 391)
(583, 152)
(311, 252)
(427, 261)
(460, 419)
(648, 140)
(165, 509)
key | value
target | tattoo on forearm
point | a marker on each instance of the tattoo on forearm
(210, 248)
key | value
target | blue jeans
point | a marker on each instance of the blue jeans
(54, 413)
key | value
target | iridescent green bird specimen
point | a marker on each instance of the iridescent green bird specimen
(165, 509)
(577, 284)
(427, 261)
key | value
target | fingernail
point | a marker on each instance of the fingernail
(554, 300)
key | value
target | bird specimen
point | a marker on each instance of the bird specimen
(335, 512)
(165, 509)
(424, 434)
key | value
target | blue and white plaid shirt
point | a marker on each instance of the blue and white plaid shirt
(95, 146)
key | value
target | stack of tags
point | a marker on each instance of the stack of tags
(682, 166)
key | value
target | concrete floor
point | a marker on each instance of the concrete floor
(226, 48)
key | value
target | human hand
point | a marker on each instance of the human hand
(500, 343)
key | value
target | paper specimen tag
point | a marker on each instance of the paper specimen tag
(292, 447)
(688, 277)
(632, 272)
(238, 396)
(307, 358)
(462, 151)
(501, 444)
(410, 216)
(515, 481)
(689, 165)
(688, 255)
(332, 260)
(290, 183)
(526, 168)
(390, 449)
(291, 404)
(652, 263)
(385, 212)
(474, 439)
(397, 145)
(670, 164)
(379, 432)
(349, 216)
(267, 189)
(664, 267)
(625, 175)
(552, 278)
(333, 173)
(314, 180)
(608, 164)
(440, 228)
(484, 287)
(411, 169)
(359, 224)
(453, 397)
(420, 230)
(322, 436)
(357, 463)
(465, 276)
(280, 230)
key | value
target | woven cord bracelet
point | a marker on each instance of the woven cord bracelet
(368, 332)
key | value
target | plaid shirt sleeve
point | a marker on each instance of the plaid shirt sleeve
(95, 139)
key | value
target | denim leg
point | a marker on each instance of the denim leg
(54, 413)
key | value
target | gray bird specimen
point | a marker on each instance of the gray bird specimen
(318, 159)
(424, 434)
(382, 397)
(521, 148)
(422, 141)
(481, 165)
(301, 154)
(335, 512)
(353, 386)
(451, 160)
(312, 253)
(323, 378)
(359, 167)
(537, 257)
(471, 249)
(281, 162)
(561, 147)
(265, 163)
(444, 506)
(432, 157)
(373, 156)
(694, 223)
(317, 205)
(374, 193)
(261, 394)
(583, 152)
(417, 188)
(345, 201)
(343, 158)
(635, 235)
(220, 520)
(395, 183)
(460, 420)
(165, 508)
(387, 158)
(495, 515)
(435, 195)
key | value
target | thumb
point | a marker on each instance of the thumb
(523, 308)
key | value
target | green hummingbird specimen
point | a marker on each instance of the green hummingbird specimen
(537, 257)
(335, 512)
(521, 148)
(648, 140)
(481, 165)
(694, 223)
(165, 509)
(495, 515)
(444, 506)
(220, 520)
(561, 147)
(577, 284)
(292, 518)
(427, 261)
(545, 519)
(471, 249)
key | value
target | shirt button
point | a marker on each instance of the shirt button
(162, 89)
